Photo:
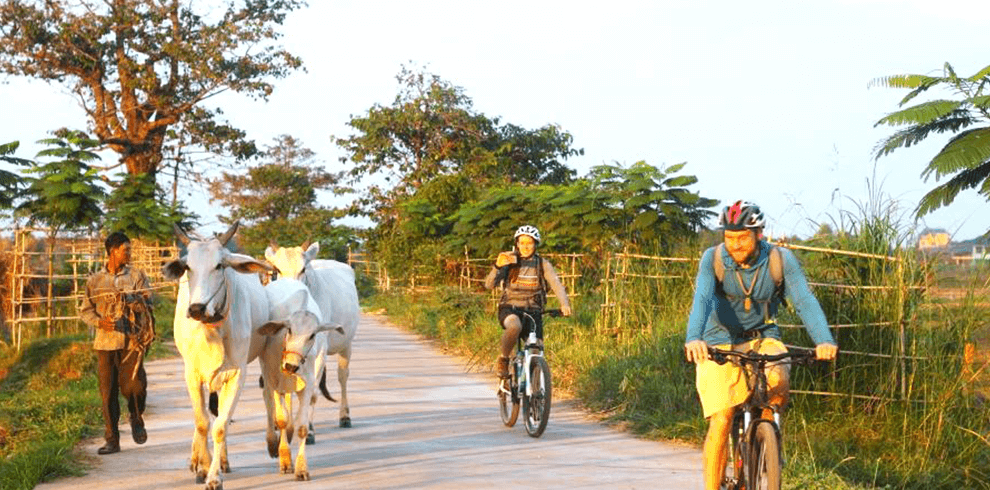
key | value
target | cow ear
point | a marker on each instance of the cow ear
(271, 328)
(331, 327)
(270, 252)
(312, 251)
(174, 269)
(246, 264)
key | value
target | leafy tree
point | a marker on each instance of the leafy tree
(66, 192)
(966, 157)
(10, 182)
(277, 201)
(432, 130)
(134, 209)
(612, 208)
(140, 68)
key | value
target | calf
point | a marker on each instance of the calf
(291, 365)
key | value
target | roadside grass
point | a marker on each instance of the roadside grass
(50, 401)
(47, 403)
(640, 381)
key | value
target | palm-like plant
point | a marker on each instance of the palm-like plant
(966, 157)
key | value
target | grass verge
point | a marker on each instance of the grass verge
(639, 380)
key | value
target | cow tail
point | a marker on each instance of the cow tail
(214, 404)
(323, 386)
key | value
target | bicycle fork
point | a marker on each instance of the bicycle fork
(532, 350)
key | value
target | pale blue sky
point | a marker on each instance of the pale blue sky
(766, 100)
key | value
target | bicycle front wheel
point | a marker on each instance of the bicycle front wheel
(536, 407)
(765, 471)
(508, 402)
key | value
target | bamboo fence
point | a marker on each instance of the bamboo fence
(625, 311)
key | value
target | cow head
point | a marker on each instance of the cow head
(291, 262)
(205, 265)
(299, 326)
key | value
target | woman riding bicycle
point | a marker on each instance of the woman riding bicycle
(739, 287)
(524, 277)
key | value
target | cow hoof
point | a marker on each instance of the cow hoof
(273, 449)
(201, 477)
(302, 476)
(345, 422)
(215, 485)
(310, 439)
(285, 470)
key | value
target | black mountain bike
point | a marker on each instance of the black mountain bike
(755, 445)
(529, 382)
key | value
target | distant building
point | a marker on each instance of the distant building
(970, 252)
(932, 239)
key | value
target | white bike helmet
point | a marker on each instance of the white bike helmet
(530, 231)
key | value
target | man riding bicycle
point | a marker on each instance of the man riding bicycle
(524, 277)
(739, 287)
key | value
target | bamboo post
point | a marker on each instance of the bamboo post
(48, 302)
(21, 256)
(899, 318)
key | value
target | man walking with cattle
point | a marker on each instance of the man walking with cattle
(118, 306)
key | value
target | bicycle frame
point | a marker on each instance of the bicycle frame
(529, 383)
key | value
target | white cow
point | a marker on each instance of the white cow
(332, 285)
(292, 365)
(219, 309)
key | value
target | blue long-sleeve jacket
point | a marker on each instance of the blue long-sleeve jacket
(718, 315)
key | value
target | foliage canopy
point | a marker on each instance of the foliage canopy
(432, 130)
(276, 201)
(65, 193)
(614, 207)
(139, 68)
(966, 157)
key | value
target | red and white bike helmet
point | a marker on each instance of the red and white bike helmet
(741, 215)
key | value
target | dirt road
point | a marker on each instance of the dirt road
(419, 421)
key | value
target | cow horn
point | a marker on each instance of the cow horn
(229, 233)
(305, 245)
(180, 234)
(273, 244)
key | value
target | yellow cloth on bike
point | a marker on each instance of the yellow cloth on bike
(724, 386)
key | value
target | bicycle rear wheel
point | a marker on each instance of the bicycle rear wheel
(765, 458)
(508, 401)
(536, 407)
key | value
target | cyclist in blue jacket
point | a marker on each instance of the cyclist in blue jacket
(737, 312)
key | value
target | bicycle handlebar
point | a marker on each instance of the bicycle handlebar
(798, 357)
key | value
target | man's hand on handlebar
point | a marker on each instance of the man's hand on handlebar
(696, 351)
(565, 310)
(826, 352)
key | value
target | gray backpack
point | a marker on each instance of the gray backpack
(775, 262)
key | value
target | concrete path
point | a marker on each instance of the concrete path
(420, 421)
